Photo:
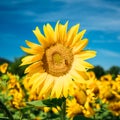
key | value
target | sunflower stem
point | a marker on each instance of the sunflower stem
(63, 110)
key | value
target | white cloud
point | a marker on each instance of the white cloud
(118, 38)
(7, 36)
(14, 2)
(109, 53)
(77, 1)
(106, 41)
(86, 12)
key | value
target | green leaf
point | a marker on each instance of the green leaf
(48, 102)
(4, 118)
(38, 103)
(54, 102)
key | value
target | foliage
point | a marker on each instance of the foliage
(15, 67)
(3, 60)
(114, 70)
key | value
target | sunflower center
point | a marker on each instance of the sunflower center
(57, 60)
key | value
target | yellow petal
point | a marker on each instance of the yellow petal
(49, 34)
(81, 65)
(34, 66)
(66, 85)
(86, 64)
(71, 34)
(37, 81)
(77, 77)
(83, 74)
(32, 51)
(58, 86)
(40, 37)
(38, 69)
(77, 38)
(86, 54)
(78, 65)
(34, 46)
(31, 44)
(76, 49)
(59, 89)
(47, 84)
(32, 78)
(31, 59)
(56, 32)
(62, 32)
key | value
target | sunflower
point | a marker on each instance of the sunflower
(3, 67)
(82, 102)
(107, 77)
(91, 75)
(117, 78)
(115, 108)
(58, 61)
(78, 109)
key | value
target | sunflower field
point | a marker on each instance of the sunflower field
(53, 81)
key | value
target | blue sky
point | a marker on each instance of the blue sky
(101, 19)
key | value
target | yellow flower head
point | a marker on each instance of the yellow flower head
(115, 108)
(73, 108)
(118, 78)
(57, 61)
(3, 67)
(107, 77)
(91, 75)
(15, 91)
(79, 104)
